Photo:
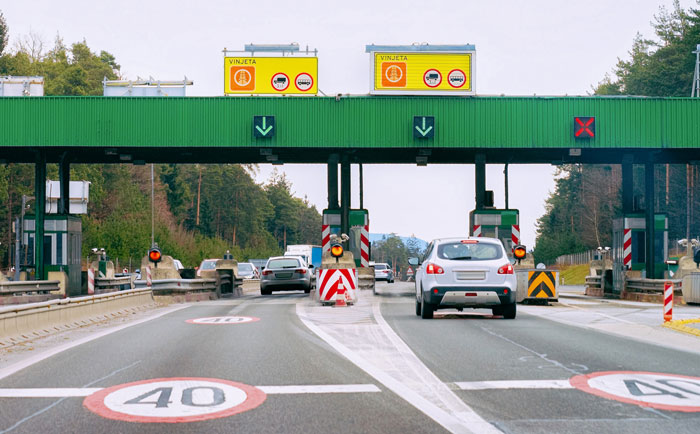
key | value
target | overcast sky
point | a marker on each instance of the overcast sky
(543, 47)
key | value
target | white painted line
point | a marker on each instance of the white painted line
(69, 392)
(447, 420)
(48, 393)
(515, 384)
(6, 372)
(323, 388)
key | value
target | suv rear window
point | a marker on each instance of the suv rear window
(283, 263)
(380, 267)
(469, 252)
(245, 267)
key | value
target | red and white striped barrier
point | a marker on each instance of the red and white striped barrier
(515, 234)
(325, 238)
(477, 230)
(91, 281)
(627, 248)
(149, 278)
(331, 281)
(668, 301)
(364, 246)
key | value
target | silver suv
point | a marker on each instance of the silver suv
(472, 272)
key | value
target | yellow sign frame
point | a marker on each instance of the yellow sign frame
(284, 75)
(422, 73)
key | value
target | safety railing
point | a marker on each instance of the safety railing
(594, 282)
(576, 258)
(28, 286)
(179, 285)
(653, 286)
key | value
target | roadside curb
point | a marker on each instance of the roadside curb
(680, 325)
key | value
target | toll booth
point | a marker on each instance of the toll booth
(359, 233)
(503, 224)
(629, 247)
(62, 248)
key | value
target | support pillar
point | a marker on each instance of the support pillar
(505, 173)
(627, 185)
(64, 177)
(480, 180)
(40, 210)
(333, 183)
(362, 189)
(345, 196)
(649, 213)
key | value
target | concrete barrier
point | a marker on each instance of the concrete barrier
(22, 322)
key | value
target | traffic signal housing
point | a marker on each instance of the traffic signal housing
(519, 252)
(154, 255)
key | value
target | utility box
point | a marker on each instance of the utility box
(359, 233)
(503, 224)
(63, 238)
(629, 247)
(79, 196)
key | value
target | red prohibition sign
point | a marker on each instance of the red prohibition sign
(296, 82)
(276, 78)
(463, 75)
(432, 74)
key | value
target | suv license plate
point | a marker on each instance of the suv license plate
(471, 275)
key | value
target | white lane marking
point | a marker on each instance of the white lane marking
(614, 318)
(514, 384)
(322, 388)
(68, 392)
(452, 423)
(6, 372)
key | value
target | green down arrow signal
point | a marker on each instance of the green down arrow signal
(265, 129)
(423, 131)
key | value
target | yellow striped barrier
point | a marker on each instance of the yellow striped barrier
(680, 325)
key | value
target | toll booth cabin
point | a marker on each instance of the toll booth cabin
(358, 222)
(503, 224)
(629, 247)
(62, 248)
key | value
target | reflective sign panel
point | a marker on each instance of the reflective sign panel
(436, 73)
(271, 75)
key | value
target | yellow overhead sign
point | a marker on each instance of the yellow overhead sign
(271, 75)
(423, 73)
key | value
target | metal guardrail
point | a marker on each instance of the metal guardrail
(655, 286)
(26, 286)
(179, 285)
(594, 281)
(117, 283)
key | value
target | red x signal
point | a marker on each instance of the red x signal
(584, 128)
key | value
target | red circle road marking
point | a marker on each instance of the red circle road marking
(211, 320)
(96, 401)
(581, 382)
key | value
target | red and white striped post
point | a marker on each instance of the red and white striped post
(149, 279)
(476, 231)
(91, 280)
(515, 234)
(627, 248)
(325, 238)
(668, 301)
(364, 246)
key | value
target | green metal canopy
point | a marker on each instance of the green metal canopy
(376, 129)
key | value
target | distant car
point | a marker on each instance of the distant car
(247, 271)
(471, 272)
(382, 271)
(207, 264)
(285, 273)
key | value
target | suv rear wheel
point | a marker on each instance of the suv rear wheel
(427, 309)
(509, 311)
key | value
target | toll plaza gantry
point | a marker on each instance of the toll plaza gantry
(422, 109)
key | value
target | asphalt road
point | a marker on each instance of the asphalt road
(372, 367)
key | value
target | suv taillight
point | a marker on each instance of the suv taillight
(506, 269)
(434, 269)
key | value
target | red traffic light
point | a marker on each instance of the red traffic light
(337, 250)
(519, 252)
(154, 255)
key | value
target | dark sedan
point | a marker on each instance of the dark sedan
(285, 274)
